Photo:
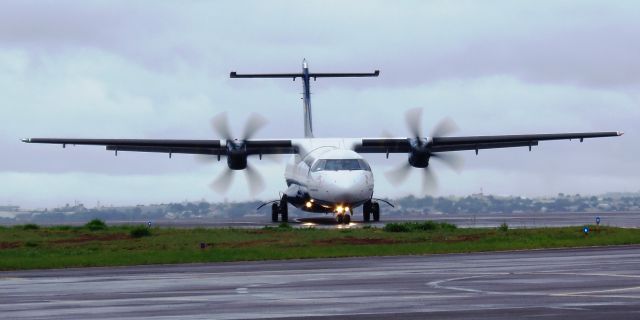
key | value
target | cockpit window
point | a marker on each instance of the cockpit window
(364, 165)
(340, 164)
(319, 165)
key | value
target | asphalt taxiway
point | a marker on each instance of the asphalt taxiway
(590, 283)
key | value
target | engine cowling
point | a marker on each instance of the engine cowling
(420, 152)
(236, 156)
(419, 160)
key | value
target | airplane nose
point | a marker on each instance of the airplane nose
(348, 187)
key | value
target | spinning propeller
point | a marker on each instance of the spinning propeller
(237, 153)
(420, 153)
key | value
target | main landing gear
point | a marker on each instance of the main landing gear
(281, 209)
(371, 208)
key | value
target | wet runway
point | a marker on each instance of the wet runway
(514, 220)
(463, 220)
(591, 283)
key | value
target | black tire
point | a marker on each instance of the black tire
(284, 209)
(366, 211)
(346, 219)
(274, 212)
(366, 216)
(339, 218)
(376, 211)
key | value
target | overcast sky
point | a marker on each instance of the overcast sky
(159, 69)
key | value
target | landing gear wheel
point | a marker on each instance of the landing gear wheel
(284, 209)
(375, 208)
(366, 211)
(274, 212)
(346, 219)
(340, 218)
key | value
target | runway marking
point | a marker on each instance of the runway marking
(596, 293)
(11, 279)
(566, 308)
(588, 274)
(589, 293)
(437, 284)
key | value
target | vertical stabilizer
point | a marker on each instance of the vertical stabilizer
(306, 100)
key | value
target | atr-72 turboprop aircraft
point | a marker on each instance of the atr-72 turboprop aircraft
(325, 175)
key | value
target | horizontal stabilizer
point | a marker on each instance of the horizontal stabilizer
(344, 75)
(234, 74)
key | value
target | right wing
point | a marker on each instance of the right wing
(444, 144)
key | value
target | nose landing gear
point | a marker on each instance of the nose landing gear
(343, 218)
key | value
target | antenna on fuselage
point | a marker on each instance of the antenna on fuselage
(305, 75)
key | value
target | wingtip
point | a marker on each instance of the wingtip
(620, 133)
(27, 140)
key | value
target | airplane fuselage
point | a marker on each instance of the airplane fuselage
(328, 176)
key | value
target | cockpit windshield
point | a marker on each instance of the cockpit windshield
(340, 164)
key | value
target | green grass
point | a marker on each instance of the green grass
(95, 225)
(139, 232)
(63, 246)
(30, 226)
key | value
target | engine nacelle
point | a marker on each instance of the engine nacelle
(419, 159)
(420, 153)
(236, 156)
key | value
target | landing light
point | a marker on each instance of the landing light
(339, 209)
(308, 204)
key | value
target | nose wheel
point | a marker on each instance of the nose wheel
(343, 218)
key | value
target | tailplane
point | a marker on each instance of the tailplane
(306, 76)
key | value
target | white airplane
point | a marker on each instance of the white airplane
(325, 175)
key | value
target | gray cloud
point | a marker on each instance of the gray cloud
(115, 69)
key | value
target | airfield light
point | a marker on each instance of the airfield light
(309, 204)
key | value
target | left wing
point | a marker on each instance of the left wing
(212, 147)
(444, 144)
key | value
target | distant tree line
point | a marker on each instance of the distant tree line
(407, 206)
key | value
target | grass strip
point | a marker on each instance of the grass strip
(62, 247)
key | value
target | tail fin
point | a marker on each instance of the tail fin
(306, 87)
